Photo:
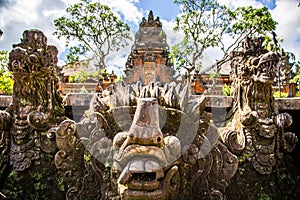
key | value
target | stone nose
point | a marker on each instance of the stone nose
(145, 128)
(145, 136)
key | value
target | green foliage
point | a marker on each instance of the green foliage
(4, 60)
(278, 94)
(270, 45)
(296, 79)
(95, 28)
(246, 22)
(180, 55)
(75, 51)
(81, 76)
(83, 90)
(226, 90)
(264, 196)
(40, 181)
(203, 24)
(297, 94)
(61, 183)
(214, 75)
(251, 21)
(118, 79)
(6, 83)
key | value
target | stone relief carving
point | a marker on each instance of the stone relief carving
(138, 142)
(26, 143)
(255, 129)
(151, 142)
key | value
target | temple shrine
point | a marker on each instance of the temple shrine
(148, 60)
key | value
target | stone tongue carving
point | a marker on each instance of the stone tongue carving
(36, 104)
(151, 142)
(255, 129)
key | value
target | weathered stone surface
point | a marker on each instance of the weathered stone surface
(26, 146)
(288, 103)
(255, 129)
(83, 99)
(151, 142)
(144, 142)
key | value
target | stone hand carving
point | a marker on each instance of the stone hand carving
(289, 140)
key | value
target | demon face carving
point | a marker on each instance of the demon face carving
(255, 129)
(151, 142)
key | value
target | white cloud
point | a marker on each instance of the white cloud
(240, 3)
(70, 2)
(172, 36)
(287, 14)
(126, 8)
(17, 16)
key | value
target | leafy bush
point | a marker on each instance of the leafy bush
(6, 83)
(226, 90)
(276, 94)
(297, 94)
(82, 76)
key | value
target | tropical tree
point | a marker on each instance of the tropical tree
(248, 22)
(95, 28)
(206, 22)
(203, 23)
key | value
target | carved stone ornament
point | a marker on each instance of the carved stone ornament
(141, 142)
(151, 142)
(255, 130)
(36, 104)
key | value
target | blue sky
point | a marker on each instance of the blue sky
(166, 9)
(17, 16)
(271, 4)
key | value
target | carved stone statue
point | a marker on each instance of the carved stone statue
(26, 136)
(148, 142)
(143, 142)
(255, 129)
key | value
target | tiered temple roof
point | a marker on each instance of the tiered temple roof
(149, 60)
